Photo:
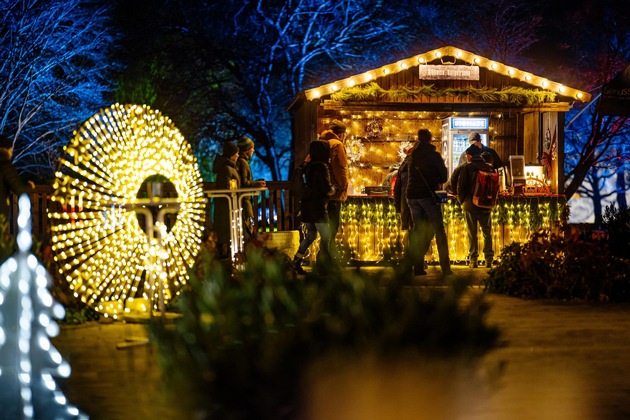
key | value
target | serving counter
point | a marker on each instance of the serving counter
(370, 230)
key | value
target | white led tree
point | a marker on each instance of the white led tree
(28, 361)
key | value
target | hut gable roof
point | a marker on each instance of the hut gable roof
(500, 80)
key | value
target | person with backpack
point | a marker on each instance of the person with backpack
(476, 216)
(314, 203)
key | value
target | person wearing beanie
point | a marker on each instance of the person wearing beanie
(474, 139)
(224, 168)
(10, 180)
(335, 135)
(246, 151)
(245, 144)
(476, 217)
(427, 172)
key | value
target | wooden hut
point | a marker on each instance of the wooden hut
(451, 92)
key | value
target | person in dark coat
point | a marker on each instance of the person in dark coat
(246, 151)
(224, 167)
(427, 172)
(314, 204)
(10, 180)
(475, 216)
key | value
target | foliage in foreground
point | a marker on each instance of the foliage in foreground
(616, 223)
(246, 338)
(561, 265)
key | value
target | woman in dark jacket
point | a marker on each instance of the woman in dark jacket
(314, 203)
(224, 167)
(10, 180)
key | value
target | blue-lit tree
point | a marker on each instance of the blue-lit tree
(56, 63)
(242, 62)
(28, 361)
(598, 40)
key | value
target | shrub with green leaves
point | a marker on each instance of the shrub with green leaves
(561, 265)
(247, 336)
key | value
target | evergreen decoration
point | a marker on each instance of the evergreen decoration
(28, 361)
(512, 94)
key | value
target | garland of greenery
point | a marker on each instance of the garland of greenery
(512, 94)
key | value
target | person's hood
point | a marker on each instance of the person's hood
(319, 151)
(220, 162)
(424, 148)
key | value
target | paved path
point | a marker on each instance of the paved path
(561, 361)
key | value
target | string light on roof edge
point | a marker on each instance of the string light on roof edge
(98, 244)
(28, 361)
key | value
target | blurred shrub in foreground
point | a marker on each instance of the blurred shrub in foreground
(248, 336)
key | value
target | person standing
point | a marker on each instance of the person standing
(427, 172)
(401, 206)
(246, 151)
(314, 204)
(224, 167)
(475, 216)
(10, 180)
(338, 174)
(474, 139)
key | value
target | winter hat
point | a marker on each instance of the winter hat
(337, 126)
(245, 143)
(473, 151)
(229, 149)
(473, 137)
(5, 142)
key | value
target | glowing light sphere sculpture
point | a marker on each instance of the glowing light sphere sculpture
(97, 240)
(28, 360)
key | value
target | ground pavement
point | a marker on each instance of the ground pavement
(560, 361)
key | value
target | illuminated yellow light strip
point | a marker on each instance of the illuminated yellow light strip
(101, 249)
(421, 59)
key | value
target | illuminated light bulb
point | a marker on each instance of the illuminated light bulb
(421, 60)
(458, 54)
(403, 66)
(385, 71)
(476, 60)
(544, 83)
(334, 87)
(561, 89)
(528, 77)
(351, 83)
(511, 72)
(438, 54)
(316, 94)
(493, 66)
(579, 95)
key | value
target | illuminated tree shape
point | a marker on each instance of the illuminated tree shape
(28, 361)
(98, 243)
